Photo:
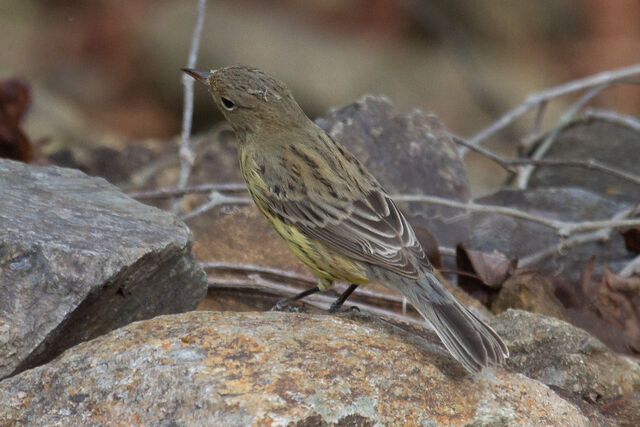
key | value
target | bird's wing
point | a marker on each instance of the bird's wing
(372, 229)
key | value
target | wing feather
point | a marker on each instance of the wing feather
(372, 229)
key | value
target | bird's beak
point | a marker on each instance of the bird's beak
(201, 76)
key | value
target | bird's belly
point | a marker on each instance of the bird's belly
(325, 262)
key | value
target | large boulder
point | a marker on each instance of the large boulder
(79, 258)
(212, 368)
(574, 363)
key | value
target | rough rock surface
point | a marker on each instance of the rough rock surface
(207, 368)
(521, 238)
(582, 139)
(573, 362)
(79, 258)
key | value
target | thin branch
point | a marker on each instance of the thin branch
(447, 251)
(632, 268)
(187, 156)
(564, 228)
(282, 275)
(601, 235)
(256, 282)
(170, 192)
(524, 174)
(563, 245)
(610, 116)
(586, 164)
(259, 269)
(502, 161)
(605, 78)
(509, 164)
(537, 122)
(216, 199)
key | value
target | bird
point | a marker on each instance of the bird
(333, 213)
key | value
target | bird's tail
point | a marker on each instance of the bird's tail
(470, 340)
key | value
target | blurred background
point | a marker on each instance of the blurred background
(107, 72)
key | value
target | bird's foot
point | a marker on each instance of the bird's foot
(284, 302)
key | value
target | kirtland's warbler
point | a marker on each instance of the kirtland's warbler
(332, 212)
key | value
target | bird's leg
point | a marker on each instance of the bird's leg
(283, 302)
(337, 304)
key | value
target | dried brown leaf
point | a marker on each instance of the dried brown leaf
(15, 97)
(491, 268)
(619, 304)
(632, 239)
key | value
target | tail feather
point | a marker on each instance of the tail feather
(470, 340)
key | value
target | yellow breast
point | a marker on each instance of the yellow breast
(325, 262)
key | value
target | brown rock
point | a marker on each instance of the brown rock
(605, 307)
(531, 292)
(206, 368)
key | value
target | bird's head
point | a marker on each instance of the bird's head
(250, 99)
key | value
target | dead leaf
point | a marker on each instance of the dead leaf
(582, 294)
(619, 304)
(632, 239)
(15, 97)
(482, 273)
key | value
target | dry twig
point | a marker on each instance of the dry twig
(322, 301)
(563, 228)
(631, 268)
(540, 99)
(510, 164)
(524, 174)
(167, 193)
(187, 156)
(284, 275)
(600, 235)
(216, 199)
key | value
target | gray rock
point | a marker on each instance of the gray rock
(611, 139)
(79, 258)
(516, 237)
(228, 369)
(572, 362)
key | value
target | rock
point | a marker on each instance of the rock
(517, 237)
(208, 368)
(582, 139)
(570, 360)
(79, 258)
(532, 292)
(605, 313)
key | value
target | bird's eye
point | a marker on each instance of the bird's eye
(227, 104)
